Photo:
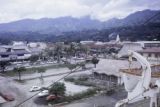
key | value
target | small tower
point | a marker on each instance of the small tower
(117, 39)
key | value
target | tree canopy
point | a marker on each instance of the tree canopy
(58, 88)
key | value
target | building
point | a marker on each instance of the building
(14, 53)
(36, 48)
(129, 46)
(108, 69)
(152, 54)
(149, 44)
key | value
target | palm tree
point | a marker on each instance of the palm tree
(41, 71)
(72, 49)
(58, 52)
(19, 70)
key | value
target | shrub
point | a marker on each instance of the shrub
(58, 88)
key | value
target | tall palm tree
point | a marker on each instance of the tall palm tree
(58, 52)
(41, 71)
(19, 70)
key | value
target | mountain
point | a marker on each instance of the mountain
(84, 28)
(49, 25)
(135, 19)
(67, 24)
(141, 17)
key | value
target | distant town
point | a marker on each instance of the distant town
(80, 53)
(95, 68)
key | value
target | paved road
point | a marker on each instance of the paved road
(21, 90)
(10, 87)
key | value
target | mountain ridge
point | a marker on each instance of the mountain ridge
(68, 23)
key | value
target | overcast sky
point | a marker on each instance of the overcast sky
(11, 10)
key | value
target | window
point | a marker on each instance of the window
(4, 56)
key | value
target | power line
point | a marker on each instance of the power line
(47, 87)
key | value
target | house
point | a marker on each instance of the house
(108, 69)
(149, 44)
(152, 54)
(36, 48)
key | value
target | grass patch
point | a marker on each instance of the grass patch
(20, 81)
(34, 69)
(80, 81)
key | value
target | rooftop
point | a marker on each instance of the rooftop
(150, 50)
(111, 67)
(138, 71)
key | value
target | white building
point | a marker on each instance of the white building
(14, 53)
(150, 44)
(36, 48)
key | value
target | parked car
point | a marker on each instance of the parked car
(52, 97)
(7, 96)
(34, 88)
(43, 93)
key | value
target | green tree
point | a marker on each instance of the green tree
(58, 88)
(19, 70)
(58, 52)
(71, 66)
(95, 61)
(34, 58)
(3, 65)
(72, 49)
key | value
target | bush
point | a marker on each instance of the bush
(81, 95)
(82, 79)
(83, 83)
(58, 88)
(79, 81)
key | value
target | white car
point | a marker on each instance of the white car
(43, 93)
(34, 88)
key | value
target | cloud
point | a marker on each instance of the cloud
(98, 9)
